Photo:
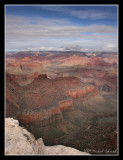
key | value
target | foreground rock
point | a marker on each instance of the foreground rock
(18, 141)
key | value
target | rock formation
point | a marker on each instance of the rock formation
(43, 99)
(82, 93)
(18, 141)
(57, 95)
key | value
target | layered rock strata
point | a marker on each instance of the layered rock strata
(44, 99)
(47, 117)
(82, 93)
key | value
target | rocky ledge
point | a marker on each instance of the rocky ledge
(18, 141)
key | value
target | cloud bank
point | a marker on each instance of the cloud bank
(25, 33)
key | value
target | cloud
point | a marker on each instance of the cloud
(43, 48)
(85, 13)
(73, 47)
(45, 34)
(91, 14)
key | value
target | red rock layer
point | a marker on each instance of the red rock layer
(82, 93)
(98, 61)
(47, 117)
(12, 96)
(42, 100)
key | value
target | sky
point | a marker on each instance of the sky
(84, 28)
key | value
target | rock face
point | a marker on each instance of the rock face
(49, 116)
(18, 141)
(82, 93)
(57, 96)
(42, 100)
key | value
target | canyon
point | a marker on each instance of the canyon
(67, 98)
(22, 142)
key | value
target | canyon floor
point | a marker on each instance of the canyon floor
(67, 98)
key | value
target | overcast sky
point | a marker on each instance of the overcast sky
(61, 27)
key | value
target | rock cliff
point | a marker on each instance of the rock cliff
(82, 93)
(47, 117)
(18, 141)
(42, 100)
(58, 96)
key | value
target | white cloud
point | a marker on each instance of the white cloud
(50, 34)
(92, 14)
